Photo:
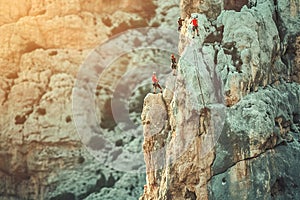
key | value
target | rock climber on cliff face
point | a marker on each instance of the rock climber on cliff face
(194, 22)
(155, 83)
(180, 23)
(173, 64)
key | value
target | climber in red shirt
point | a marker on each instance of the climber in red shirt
(195, 26)
(155, 83)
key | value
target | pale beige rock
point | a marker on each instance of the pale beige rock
(42, 47)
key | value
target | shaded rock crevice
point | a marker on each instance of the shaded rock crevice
(267, 150)
(246, 175)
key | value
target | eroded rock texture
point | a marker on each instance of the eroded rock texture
(42, 47)
(230, 127)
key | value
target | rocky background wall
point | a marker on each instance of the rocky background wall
(230, 128)
(43, 46)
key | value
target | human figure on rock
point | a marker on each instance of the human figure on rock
(194, 22)
(173, 64)
(180, 20)
(252, 3)
(205, 120)
(155, 83)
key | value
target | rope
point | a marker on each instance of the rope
(198, 77)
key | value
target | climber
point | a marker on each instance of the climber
(205, 120)
(155, 83)
(195, 26)
(252, 3)
(173, 64)
(180, 23)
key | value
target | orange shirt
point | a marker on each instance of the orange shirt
(154, 78)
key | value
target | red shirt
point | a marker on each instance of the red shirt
(154, 79)
(194, 22)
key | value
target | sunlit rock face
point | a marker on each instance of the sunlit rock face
(211, 8)
(230, 128)
(43, 46)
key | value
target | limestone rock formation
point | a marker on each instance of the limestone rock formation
(230, 127)
(212, 8)
(266, 147)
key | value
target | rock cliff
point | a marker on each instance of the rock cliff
(229, 128)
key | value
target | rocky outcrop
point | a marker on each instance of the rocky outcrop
(230, 128)
(263, 146)
(249, 45)
(212, 9)
(247, 52)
